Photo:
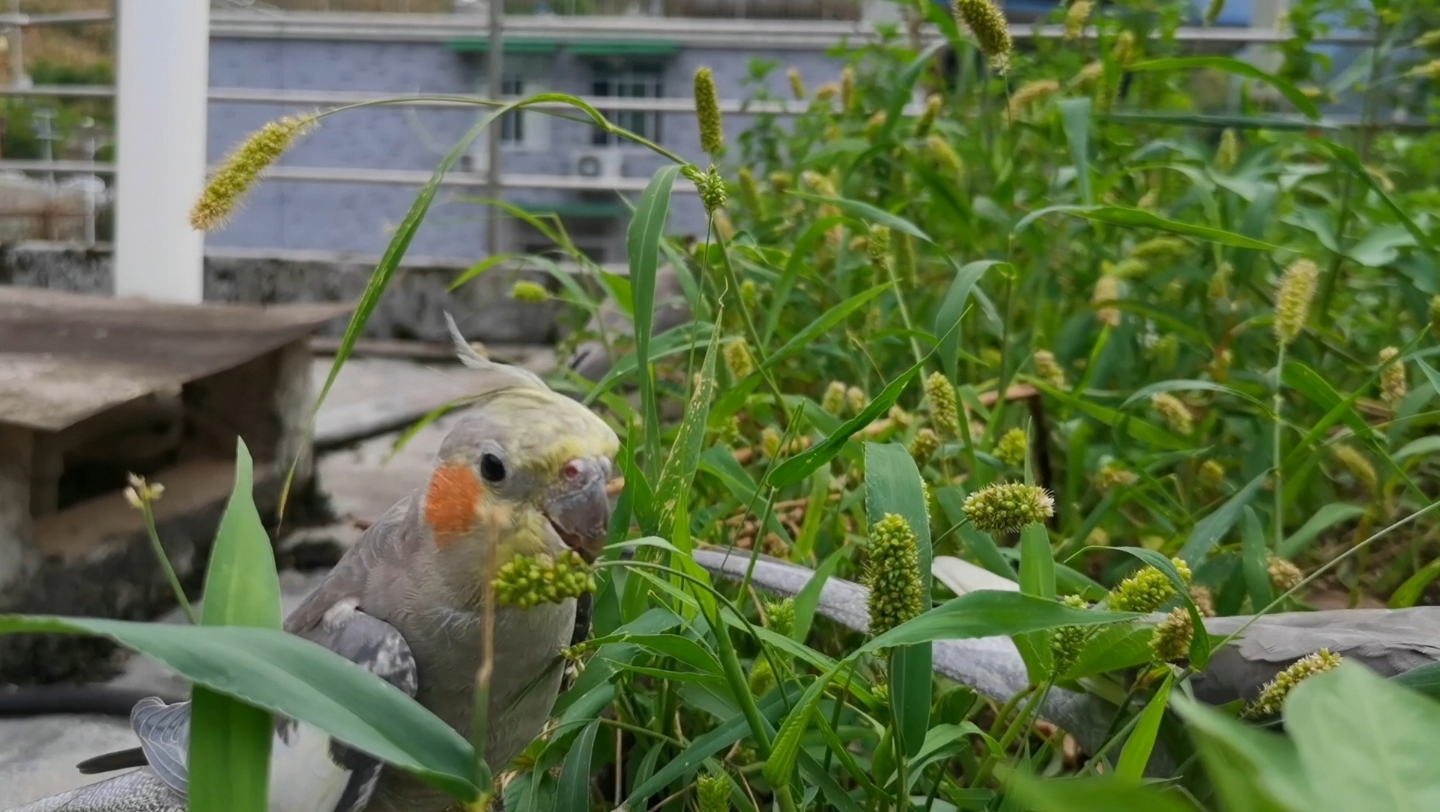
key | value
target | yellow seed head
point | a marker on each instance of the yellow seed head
(707, 111)
(724, 228)
(529, 292)
(528, 581)
(1284, 576)
(933, 105)
(1204, 600)
(1272, 696)
(228, 186)
(750, 193)
(892, 571)
(1292, 299)
(1028, 94)
(1127, 268)
(1212, 475)
(1098, 538)
(1228, 152)
(1429, 70)
(847, 88)
(749, 295)
(938, 152)
(141, 493)
(1174, 412)
(1048, 369)
(857, 399)
(834, 400)
(924, 445)
(713, 193)
(992, 33)
(1067, 642)
(878, 246)
(1393, 383)
(1113, 476)
(1086, 77)
(827, 91)
(770, 442)
(780, 616)
(1147, 590)
(944, 407)
(780, 182)
(797, 83)
(1076, 16)
(1170, 642)
(874, 125)
(1430, 39)
(1359, 468)
(1107, 289)
(738, 360)
(1125, 49)
(1012, 448)
(1006, 507)
(818, 184)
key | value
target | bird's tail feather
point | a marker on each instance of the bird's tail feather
(139, 791)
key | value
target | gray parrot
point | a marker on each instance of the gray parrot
(523, 473)
(1388, 641)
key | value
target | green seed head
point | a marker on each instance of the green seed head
(933, 105)
(1170, 642)
(902, 257)
(1012, 448)
(229, 185)
(1029, 94)
(1284, 576)
(1006, 507)
(712, 791)
(1228, 152)
(1147, 590)
(892, 571)
(1204, 600)
(1174, 412)
(944, 406)
(924, 445)
(847, 88)
(1212, 11)
(749, 295)
(1292, 299)
(713, 193)
(1048, 369)
(1113, 476)
(707, 111)
(1068, 642)
(770, 442)
(750, 193)
(1393, 382)
(1076, 16)
(834, 400)
(528, 581)
(762, 677)
(780, 616)
(990, 29)
(856, 398)
(529, 292)
(1272, 696)
(1355, 463)
(738, 360)
(1212, 475)
(797, 83)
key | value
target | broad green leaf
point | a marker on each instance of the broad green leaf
(803, 464)
(293, 677)
(1318, 391)
(868, 214)
(1209, 530)
(1408, 594)
(1325, 518)
(1075, 118)
(229, 758)
(1100, 794)
(952, 308)
(1351, 160)
(1135, 756)
(679, 470)
(1120, 421)
(1255, 560)
(1037, 578)
(1421, 445)
(1147, 392)
(805, 338)
(990, 614)
(642, 245)
(1251, 770)
(478, 268)
(1238, 68)
(1112, 648)
(574, 791)
(903, 88)
(893, 486)
(808, 598)
(1139, 218)
(800, 256)
(1365, 743)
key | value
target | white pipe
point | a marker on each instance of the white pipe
(162, 85)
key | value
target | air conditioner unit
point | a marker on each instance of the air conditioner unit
(598, 163)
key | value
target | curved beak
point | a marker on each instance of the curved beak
(579, 507)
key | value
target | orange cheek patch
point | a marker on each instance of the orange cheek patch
(451, 500)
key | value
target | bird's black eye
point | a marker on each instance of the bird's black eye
(492, 468)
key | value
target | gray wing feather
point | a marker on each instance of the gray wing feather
(164, 732)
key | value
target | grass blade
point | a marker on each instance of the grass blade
(642, 244)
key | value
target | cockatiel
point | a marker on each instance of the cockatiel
(524, 472)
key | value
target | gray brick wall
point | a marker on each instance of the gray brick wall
(361, 217)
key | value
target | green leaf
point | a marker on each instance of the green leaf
(1139, 218)
(868, 214)
(1326, 517)
(1209, 530)
(1251, 770)
(989, 613)
(903, 88)
(291, 676)
(642, 245)
(1408, 593)
(574, 791)
(808, 598)
(1238, 68)
(1351, 160)
(1120, 421)
(1147, 392)
(805, 338)
(952, 309)
(1075, 118)
(1318, 391)
(229, 758)
(803, 464)
(1421, 445)
(1255, 560)
(1100, 794)
(1136, 753)
(1037, 578)
(1365, 743)
(478, 268)
(893, 486)
(679, 470)
(1200, 644)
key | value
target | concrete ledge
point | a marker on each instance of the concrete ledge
(412, 308)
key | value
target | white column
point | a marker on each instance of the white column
(163, 56)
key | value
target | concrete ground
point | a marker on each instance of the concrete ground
(37, 756)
